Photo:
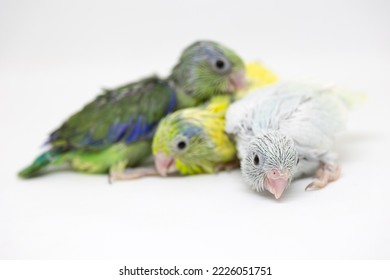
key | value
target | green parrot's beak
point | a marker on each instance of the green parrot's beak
(237, 81)
(164, 164)
(276, 182)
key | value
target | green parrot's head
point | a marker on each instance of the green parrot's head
(181, 144)
(206, 69)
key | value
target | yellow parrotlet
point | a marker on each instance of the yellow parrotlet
(193, 141)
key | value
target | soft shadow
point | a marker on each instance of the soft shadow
(354, 146)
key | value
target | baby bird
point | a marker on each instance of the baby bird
(286, 131)
(193, 141)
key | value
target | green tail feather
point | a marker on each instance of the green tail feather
(39, 163)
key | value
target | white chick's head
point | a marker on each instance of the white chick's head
(270, 162)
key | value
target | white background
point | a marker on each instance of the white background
(56, 55)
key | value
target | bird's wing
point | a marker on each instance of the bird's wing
(125, 114)
(224, 149)
(309, 113)
(241, 115)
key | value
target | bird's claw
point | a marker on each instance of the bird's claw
(131, 174)
(111, 177)
(325, 174)
(312, 186)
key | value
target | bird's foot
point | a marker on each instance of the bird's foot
(325, 174)
(131, 174)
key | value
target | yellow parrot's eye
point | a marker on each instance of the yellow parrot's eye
(181, 145)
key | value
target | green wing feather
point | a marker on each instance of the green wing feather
(126, 114)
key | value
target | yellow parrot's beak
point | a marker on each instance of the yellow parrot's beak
(164, 164)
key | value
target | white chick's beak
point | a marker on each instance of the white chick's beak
(164, 164)
(276, 182)
(237, 81)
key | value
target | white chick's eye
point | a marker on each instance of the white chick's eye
(297, 161)
(221, 65)
(256, 160)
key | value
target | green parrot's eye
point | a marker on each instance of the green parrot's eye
(221, 65)
(181, 145)
(256, 160)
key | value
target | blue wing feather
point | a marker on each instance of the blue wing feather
(133, 120)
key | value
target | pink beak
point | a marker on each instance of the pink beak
(164, 164)
(237, 81)
(276, 182)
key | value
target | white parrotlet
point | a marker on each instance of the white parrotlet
(285, 131)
